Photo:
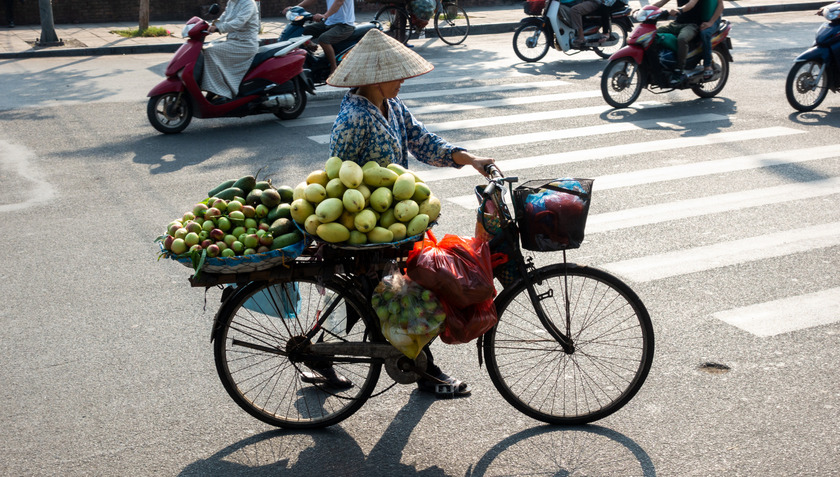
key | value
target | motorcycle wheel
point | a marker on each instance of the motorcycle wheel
(607, 51)
(530, 43)
(169, 113)
(621, 82)
(712, 88)
(296, 109)
(804, 92)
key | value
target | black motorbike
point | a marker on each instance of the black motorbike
(550, 26)
(317, 64)
(817, 69)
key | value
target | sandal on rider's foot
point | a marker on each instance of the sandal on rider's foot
(577, 43)
(444, 386)
(708, 74)
(326, 377)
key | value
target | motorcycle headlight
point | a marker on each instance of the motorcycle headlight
(832, 13)
(186, 31)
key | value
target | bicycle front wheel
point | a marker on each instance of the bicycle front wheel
(613, 346)
(395, 22)
(452, 24)
(256, 335)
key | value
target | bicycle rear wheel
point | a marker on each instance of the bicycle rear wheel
(452, 24)
(257, 333)
(613, 346)
(395, 22)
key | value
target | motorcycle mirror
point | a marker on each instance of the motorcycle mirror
(214, 9)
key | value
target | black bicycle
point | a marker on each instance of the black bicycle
(451, 22)
(573, 343)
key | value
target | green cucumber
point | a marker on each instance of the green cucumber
(224, 185)
(230, 193)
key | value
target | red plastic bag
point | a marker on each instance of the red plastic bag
(457, 269)
(464, 325)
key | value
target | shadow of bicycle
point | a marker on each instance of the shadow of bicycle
(542, 450)
(565, 451)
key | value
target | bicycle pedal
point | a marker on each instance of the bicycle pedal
(446, 391)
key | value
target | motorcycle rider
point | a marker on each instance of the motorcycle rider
(685, 27)
(707, 29)
(335, 25)
(577, 13)
(227, 62)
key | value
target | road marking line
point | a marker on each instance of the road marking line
(547, 116)
(15, 162)
(450, 107)
(659, 213)
(698, 259)
(787, 314)
(648, 176)
(619, 150)
(609, 128)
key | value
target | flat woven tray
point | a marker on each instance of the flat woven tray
(242, 263)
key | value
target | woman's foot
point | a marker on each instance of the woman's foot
(444, 386)
(578, 42)
(708, 73)
(326, 377)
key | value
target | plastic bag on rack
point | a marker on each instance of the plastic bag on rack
(464, 325)
(409, 315)
(457, 269)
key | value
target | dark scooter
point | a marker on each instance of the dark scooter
(817, 70)
(550, 26)
(275, 83)
(649, 61)
(317, 64)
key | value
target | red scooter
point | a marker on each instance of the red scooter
(649, 61)
(276, 83)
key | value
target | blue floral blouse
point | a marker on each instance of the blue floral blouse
(361, 134)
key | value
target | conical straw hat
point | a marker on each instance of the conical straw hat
(378, 58)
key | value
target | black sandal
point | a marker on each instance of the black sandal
(444, 387)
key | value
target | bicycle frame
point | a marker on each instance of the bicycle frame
(510, 233)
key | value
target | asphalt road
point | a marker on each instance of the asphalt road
(107, 364)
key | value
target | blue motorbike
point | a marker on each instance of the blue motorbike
(817, 70)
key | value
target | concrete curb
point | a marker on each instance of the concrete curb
(482, 29)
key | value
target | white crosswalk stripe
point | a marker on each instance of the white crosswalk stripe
(666, 212)
(547, 116)
(672, 264)
(787, 314)
(648, 176)
(468, 106)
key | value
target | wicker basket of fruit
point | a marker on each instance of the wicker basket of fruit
(244, 225)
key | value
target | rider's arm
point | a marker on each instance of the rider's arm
(715, 16)
(303, 4)
(236, 20)
(688, 6)
(333, 9)
(660, 3)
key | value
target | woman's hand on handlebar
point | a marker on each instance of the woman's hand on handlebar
(212, 29)
(465, 158)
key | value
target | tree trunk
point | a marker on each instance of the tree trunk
(48, 35)
(144, 15)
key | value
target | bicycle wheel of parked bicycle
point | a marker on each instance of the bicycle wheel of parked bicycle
(613, 346)
(395, 22)
(260, 336)
(452, 24)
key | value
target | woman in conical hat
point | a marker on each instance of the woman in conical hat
(373, 124)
